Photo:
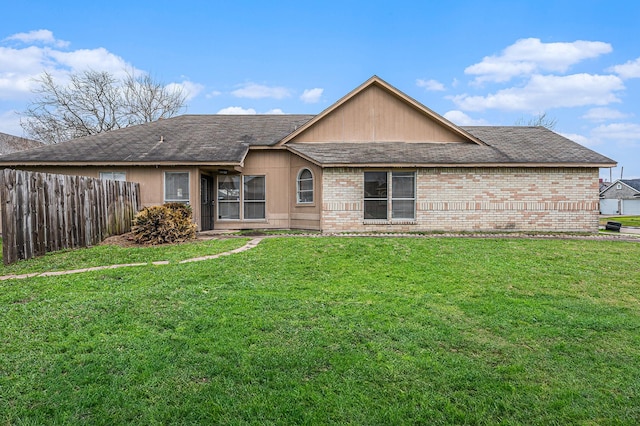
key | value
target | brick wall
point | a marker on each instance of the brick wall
(475, 199)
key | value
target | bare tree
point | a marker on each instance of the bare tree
(148, 100)
(10, 143)
(540, 120)
(96, 101)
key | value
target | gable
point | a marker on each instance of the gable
(627, 188)
(377, 112)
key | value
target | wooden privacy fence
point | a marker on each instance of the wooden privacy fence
(44, 212)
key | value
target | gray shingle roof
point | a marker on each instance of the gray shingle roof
(505, 145)
(185, 139)
(226, 139)
(634, 183)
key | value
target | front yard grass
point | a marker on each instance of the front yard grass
(103, 255)
(333, 330)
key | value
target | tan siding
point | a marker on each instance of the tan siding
(151, 180)
(274, 165)
(377, 115)
(305, 216)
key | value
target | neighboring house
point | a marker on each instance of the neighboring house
(376, 160)
(10, 143)
(604, 185)
(622, 197)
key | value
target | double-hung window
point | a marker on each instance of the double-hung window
(246, 191)
(403, 195)
(375, 195)
(389, 194)
(176, 187)
(228, 197)
(254, 197)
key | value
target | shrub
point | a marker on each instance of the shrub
(169, 223)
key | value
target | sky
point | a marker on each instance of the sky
(474, 62)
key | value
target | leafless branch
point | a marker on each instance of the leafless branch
(95, 101)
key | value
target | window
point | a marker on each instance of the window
(403, 195)
(305, 187)
(375, 195)
(119, 176)
(402, 199)
(619, 186)
(252, 197)
(176, 187)
(228, 197)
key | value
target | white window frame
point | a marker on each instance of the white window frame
(241, 200)
(188, 188)
(390, 199)
(111, 176)
(299, 191)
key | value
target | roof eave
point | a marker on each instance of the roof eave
(462, 165)
(118, 163)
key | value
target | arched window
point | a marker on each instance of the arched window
(305, 187)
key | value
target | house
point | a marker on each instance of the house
(622, 197)
(10, 143)
(376, 160)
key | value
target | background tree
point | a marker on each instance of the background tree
(96, 101)
(540, 120)
(10, 143)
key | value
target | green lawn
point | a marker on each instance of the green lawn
(113, 255)
(624, 220)
(333, 330)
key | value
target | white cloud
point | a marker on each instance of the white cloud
(99, 59)
(462, 119)
(630, 69)
(311, 96)
(431, 85)
(42, 36)
(581, 139)
(620, 132)
(213, 94)
(189, 88)
(234, 110)
(530, 55)
(544, 92)
(259, 91)
(604, 114)
(10, 123)
(19, 67)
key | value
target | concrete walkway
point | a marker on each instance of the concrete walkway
(251, 244)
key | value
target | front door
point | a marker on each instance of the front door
(206, 203)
